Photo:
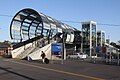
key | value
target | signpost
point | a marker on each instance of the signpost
(57, 51)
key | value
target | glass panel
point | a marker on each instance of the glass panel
(16, 26)
(71, 37)
(27, 20)
(86, 33)
(22, 13)
(26, 24)
(63, 26)
(93, 35)
(103, 38)
(46, 25)
(50, 19)
(68, 38)
(32, 15)
(16, 23)
(98, 38)
(34, 24)
(45, 32)
(39, 30)
(53, 32)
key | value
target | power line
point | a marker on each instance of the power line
(109, 24)
(70, 21)
(4, 15)
(97, 23)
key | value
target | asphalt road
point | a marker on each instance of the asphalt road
(12, 69)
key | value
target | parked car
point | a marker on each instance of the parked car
(77, 56)
(73, 56)
(83, 56)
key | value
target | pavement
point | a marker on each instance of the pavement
(13, 69)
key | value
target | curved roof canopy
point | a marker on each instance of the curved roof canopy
(28, 23)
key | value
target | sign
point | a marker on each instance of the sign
(57, 52)
(108, 50)
(57, 47)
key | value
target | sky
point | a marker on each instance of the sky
(100, 11)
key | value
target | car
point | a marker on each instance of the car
(77, 56)
(83, 56)
(73, 56)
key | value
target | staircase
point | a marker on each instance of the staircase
(25, 53)
(32, 48)
(36, 55)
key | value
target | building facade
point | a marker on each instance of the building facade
(5, 49)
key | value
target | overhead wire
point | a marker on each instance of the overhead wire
(97, 23)
(4, 15)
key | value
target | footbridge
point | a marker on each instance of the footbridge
(34, 32)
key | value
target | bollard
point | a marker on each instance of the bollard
(106, 58)
(110, 59)
(94, 60)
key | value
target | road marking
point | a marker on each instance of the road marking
(59, 71)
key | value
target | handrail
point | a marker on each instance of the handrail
(25, 42)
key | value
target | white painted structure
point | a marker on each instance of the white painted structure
(36, 55)
(23, 51)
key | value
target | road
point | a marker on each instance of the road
(12, 69)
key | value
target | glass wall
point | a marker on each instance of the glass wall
(86, 33)
(100, 38)
(85, 38)
(24, 25)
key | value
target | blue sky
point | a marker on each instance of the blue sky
(101, 11)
